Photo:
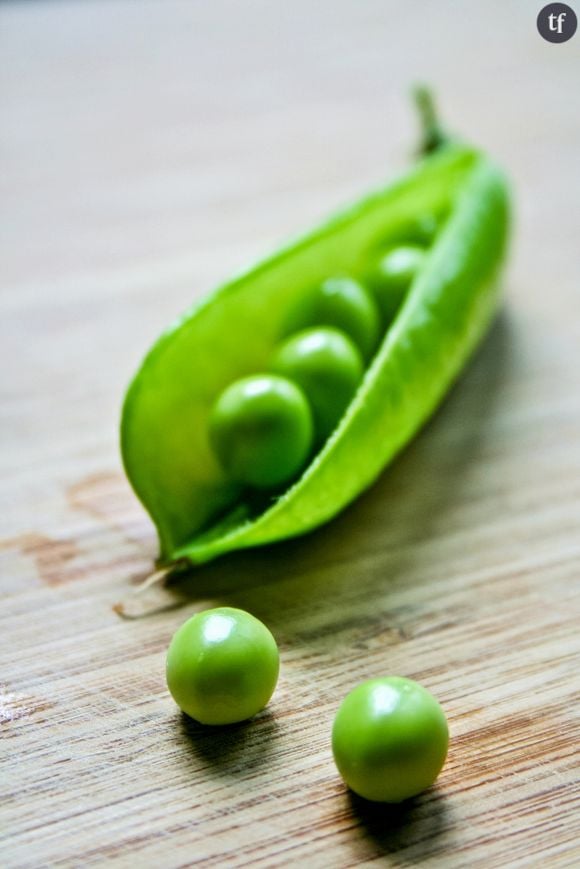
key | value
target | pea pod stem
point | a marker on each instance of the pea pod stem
(432, 134)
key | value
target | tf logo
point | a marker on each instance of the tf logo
(557, 22)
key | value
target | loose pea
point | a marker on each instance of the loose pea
(328, 367)
(343, 304)
(393, 275)
(261, 430)
(222, 666)
(389, 739)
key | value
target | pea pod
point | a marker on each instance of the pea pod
(234, 332)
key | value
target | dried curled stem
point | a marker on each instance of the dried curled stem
(134, 606)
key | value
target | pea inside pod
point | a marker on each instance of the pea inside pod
(392, 277)
(328, 367)
(261, 430)
(200, 509)
(344, 304)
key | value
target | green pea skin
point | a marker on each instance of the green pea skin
(328, 367)
(389, 739)
(426, 228)
(392, 276)
(261, 430)
(344, 304)
(420, 231)
(222, 666)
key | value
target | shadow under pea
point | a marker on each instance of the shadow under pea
(413, 830)
(234, 750)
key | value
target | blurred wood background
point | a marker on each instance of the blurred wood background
(148, 150)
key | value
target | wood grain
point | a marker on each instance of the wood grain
(148, 150)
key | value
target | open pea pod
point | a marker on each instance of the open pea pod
(233, 332)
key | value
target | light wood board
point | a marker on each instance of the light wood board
(148, 151)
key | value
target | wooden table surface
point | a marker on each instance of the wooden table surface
(148, 151)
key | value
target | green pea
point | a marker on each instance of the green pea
(426, 228)
(261, 430)
(222, 666)
(422, 230)
(393, 275)
(389, 739)
(344, 304)
(328, 367)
